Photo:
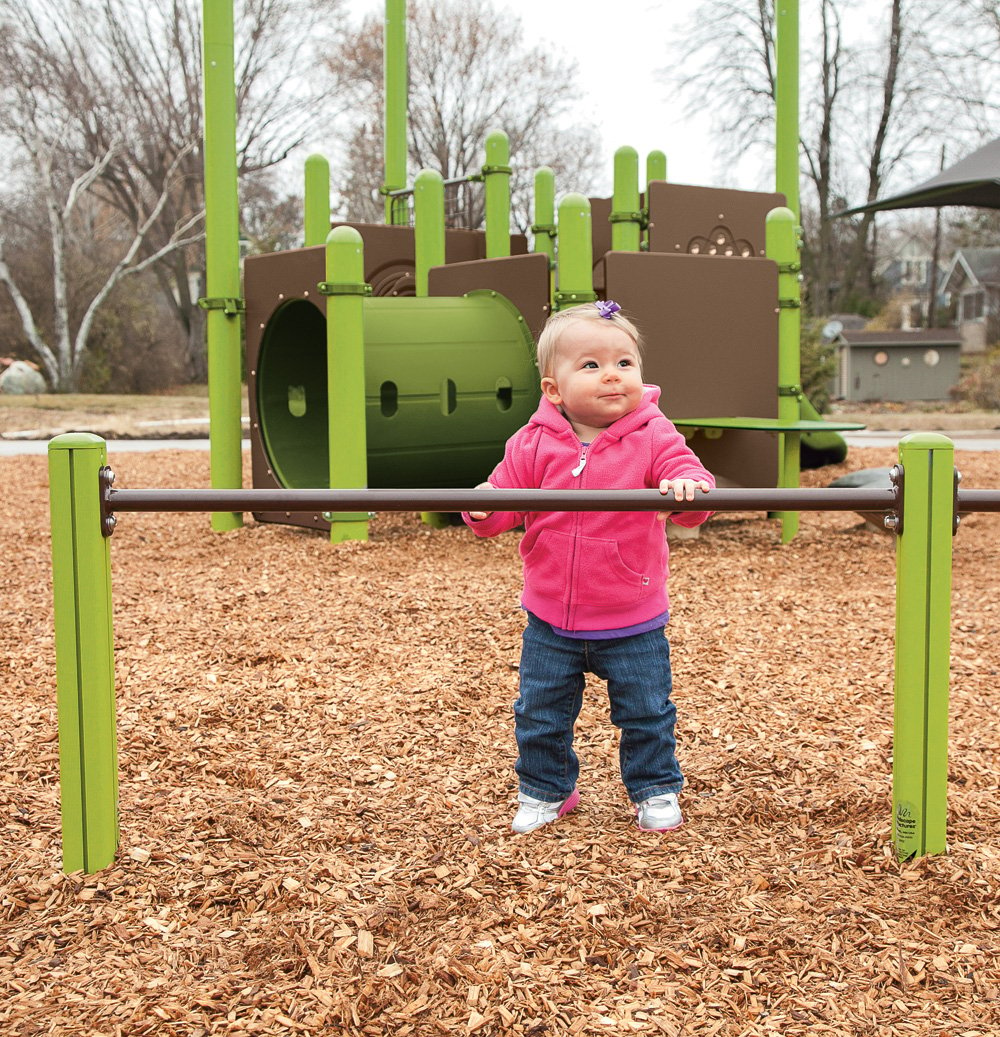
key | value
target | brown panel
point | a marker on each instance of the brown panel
(268, 282)
(389, 253)
(524, 280)
(600, 228)
(711, 333)
(702, 219)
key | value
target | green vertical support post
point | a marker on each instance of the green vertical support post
(428, 226)
(223, 300)
(786, 159)
(429, 249)
(923, 642)
(656, 167)
(345, 374)
(626, 218)
(576, 252)
(782, 244)
(85, 667)
(496, 174)
(394, 127)
(544, 227)
(317, 200)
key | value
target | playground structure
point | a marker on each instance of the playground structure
(922, 507)
(391, 355)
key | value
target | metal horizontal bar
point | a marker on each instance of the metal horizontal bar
(847, 499)
(978, 500)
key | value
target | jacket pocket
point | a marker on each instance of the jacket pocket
(603, 578)
(547, 563)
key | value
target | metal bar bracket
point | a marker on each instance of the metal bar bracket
(346, 288)
(894, 520)
(106, 479)
(230, 307)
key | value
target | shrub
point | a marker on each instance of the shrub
(818, 361)
(980, 385)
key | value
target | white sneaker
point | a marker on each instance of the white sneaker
(533, 813)
(659, 813)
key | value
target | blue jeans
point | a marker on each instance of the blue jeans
(552, 670)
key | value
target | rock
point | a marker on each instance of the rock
(21, 379)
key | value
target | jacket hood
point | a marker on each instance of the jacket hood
(548, 416)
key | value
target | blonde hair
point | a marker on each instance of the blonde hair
(548, 341)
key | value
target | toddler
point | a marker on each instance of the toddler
(595, 582)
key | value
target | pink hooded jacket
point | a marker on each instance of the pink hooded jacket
(589, 570)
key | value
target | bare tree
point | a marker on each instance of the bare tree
(469, 73)
(872, 108)
(129, 94)
(64, 350)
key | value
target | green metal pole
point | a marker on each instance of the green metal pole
(576, 251)
(782, 245)
(544, 227)
(395, 85)
(428, 226)
(496, 174)
(85, 667)
(786, 160)
(222, 257)
(345, 290)
(317, 200)
(656, 167)
(429, 249)
(923, 643)
(626, 219)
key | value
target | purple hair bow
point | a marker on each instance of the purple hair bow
(607, 309)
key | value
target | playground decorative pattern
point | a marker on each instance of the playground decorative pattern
(316, 791)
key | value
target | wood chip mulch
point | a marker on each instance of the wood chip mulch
(316, 789)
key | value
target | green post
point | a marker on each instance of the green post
(429, 249)
(428, 226)
(394, 128)
(317, 200)
(544, 227)
(345, 290)
(782, 244)
(496, 174)
(576, 251)
(786, 159)
(223, 301)
(85, 667)
(626, 217)
(656, 167)
(923, 640)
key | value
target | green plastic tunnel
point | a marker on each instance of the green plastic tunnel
(447, 382)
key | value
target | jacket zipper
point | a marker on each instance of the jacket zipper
(583, 460)
(573, 576)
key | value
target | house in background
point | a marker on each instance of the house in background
(907, 279)
(897, 365)
(973, 282)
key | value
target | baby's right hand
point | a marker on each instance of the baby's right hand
(478, 516)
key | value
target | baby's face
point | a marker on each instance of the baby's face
(597, 378)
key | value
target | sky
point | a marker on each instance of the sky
(627, 103)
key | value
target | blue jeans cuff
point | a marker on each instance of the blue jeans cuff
(655, 790)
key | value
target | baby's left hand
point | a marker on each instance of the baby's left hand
(682, 489)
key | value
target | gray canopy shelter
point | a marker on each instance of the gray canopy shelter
(974, 181)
